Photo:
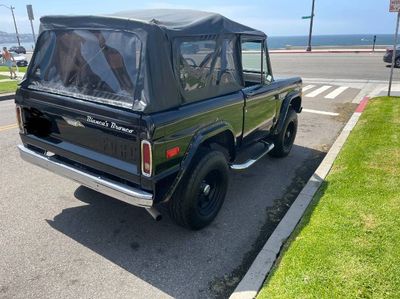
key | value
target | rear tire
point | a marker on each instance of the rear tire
(284, 140)
(201, 193)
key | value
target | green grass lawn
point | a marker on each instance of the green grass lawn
(6, 87)
(4, 77)
(348, 243)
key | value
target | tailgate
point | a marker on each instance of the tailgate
(103, 138)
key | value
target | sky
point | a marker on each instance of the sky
(275, 18)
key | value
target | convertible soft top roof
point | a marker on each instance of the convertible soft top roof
(186, 21)
(174, 22)
(157, 30)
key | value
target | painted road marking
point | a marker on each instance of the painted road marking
(318, 91)
(320, 112)
(336, 92)
(305, 88)
(8, 127)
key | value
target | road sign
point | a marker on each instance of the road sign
(30, 12)
(394, 6)
(306, 17)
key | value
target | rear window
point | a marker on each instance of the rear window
(96, 65)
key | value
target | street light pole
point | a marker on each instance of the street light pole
(311, 26)
(15, 23)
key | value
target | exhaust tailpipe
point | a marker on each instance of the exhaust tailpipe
(154, 213)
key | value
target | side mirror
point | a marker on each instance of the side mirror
(268, 79)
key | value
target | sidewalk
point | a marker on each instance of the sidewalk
(325, 51)
(19, 76)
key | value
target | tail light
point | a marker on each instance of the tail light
(147, 159)
(19, 119)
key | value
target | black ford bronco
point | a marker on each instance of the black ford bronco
(154, 107)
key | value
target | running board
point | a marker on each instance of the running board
(250, 162)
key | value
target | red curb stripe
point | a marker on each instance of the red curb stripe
(362, 105)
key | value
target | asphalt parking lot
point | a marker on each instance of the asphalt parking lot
(62, 240)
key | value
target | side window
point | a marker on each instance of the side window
(251, 57)
(206, 67)
(195, 63)
(254, 63)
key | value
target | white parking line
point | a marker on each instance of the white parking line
(336, 92)
(305, 88)
(318, 91)
(320, 112)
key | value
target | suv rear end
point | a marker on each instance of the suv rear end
(79, 111)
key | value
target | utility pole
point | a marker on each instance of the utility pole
(311, 26)
(15, 23)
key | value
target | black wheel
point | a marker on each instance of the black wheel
(201, 193)
(284, 140)
(397, 62)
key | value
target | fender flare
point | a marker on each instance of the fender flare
(285, 108)
(201, 136)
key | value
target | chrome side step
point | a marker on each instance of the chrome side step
(250, 162)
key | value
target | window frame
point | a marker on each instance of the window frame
(264, 57)
(268, 62)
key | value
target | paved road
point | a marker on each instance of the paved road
(59, 240)
(360, 66)
(365, 66)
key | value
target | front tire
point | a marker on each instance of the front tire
(284, 140)
(201, 193)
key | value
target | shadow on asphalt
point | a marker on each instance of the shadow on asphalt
(182, 263)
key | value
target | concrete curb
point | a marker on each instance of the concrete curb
(258, 271)
(7, 96)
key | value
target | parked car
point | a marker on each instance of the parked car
(20, 60)
(154, 107)
(18, 49)
(389, 56)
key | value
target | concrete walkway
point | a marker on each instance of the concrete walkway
(325, 51)
(19, 76)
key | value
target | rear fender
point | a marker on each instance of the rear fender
(200, 137)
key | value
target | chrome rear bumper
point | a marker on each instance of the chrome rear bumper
(111, 188)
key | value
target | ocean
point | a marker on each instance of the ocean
(283, 42)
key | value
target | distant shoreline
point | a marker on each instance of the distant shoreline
(349, 41)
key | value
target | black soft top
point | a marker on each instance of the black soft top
(174, 22)
(158, 29)
(188, 22)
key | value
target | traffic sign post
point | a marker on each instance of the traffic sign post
(394, 7)
(29, 10)
(311, 26)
